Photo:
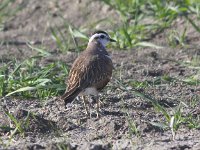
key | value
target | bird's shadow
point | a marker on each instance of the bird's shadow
(112, 113)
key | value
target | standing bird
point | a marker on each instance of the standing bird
(91, 71)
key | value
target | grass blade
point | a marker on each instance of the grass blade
(192, 23)
(42, 51)
(147, 44)
(22, 90)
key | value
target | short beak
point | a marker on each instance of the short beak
(112, 40)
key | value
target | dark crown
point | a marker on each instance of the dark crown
(99, 31)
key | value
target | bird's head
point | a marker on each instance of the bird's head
(101, 37)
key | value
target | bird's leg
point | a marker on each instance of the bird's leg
(100, 103)
(86, 104)
(98, 106)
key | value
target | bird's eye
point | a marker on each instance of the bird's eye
(102, 36)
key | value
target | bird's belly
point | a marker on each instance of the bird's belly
(89, 91)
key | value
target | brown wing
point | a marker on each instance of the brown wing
(87, 71)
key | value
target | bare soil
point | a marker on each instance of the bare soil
(54, 127)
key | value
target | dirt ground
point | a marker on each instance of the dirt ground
(54, 127)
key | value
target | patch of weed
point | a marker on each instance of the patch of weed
(67, 39)
(7, 11)
(135, 27)
(173, 117)
(29, 79)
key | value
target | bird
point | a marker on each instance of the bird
(90, 72)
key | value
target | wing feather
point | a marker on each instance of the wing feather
(95, 70)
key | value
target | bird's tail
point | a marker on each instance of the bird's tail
(69, 96)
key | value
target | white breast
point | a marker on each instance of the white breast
(89, 91)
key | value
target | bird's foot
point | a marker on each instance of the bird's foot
(99, 114)
(88, 113)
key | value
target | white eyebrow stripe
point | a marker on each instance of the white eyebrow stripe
(96, 35)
